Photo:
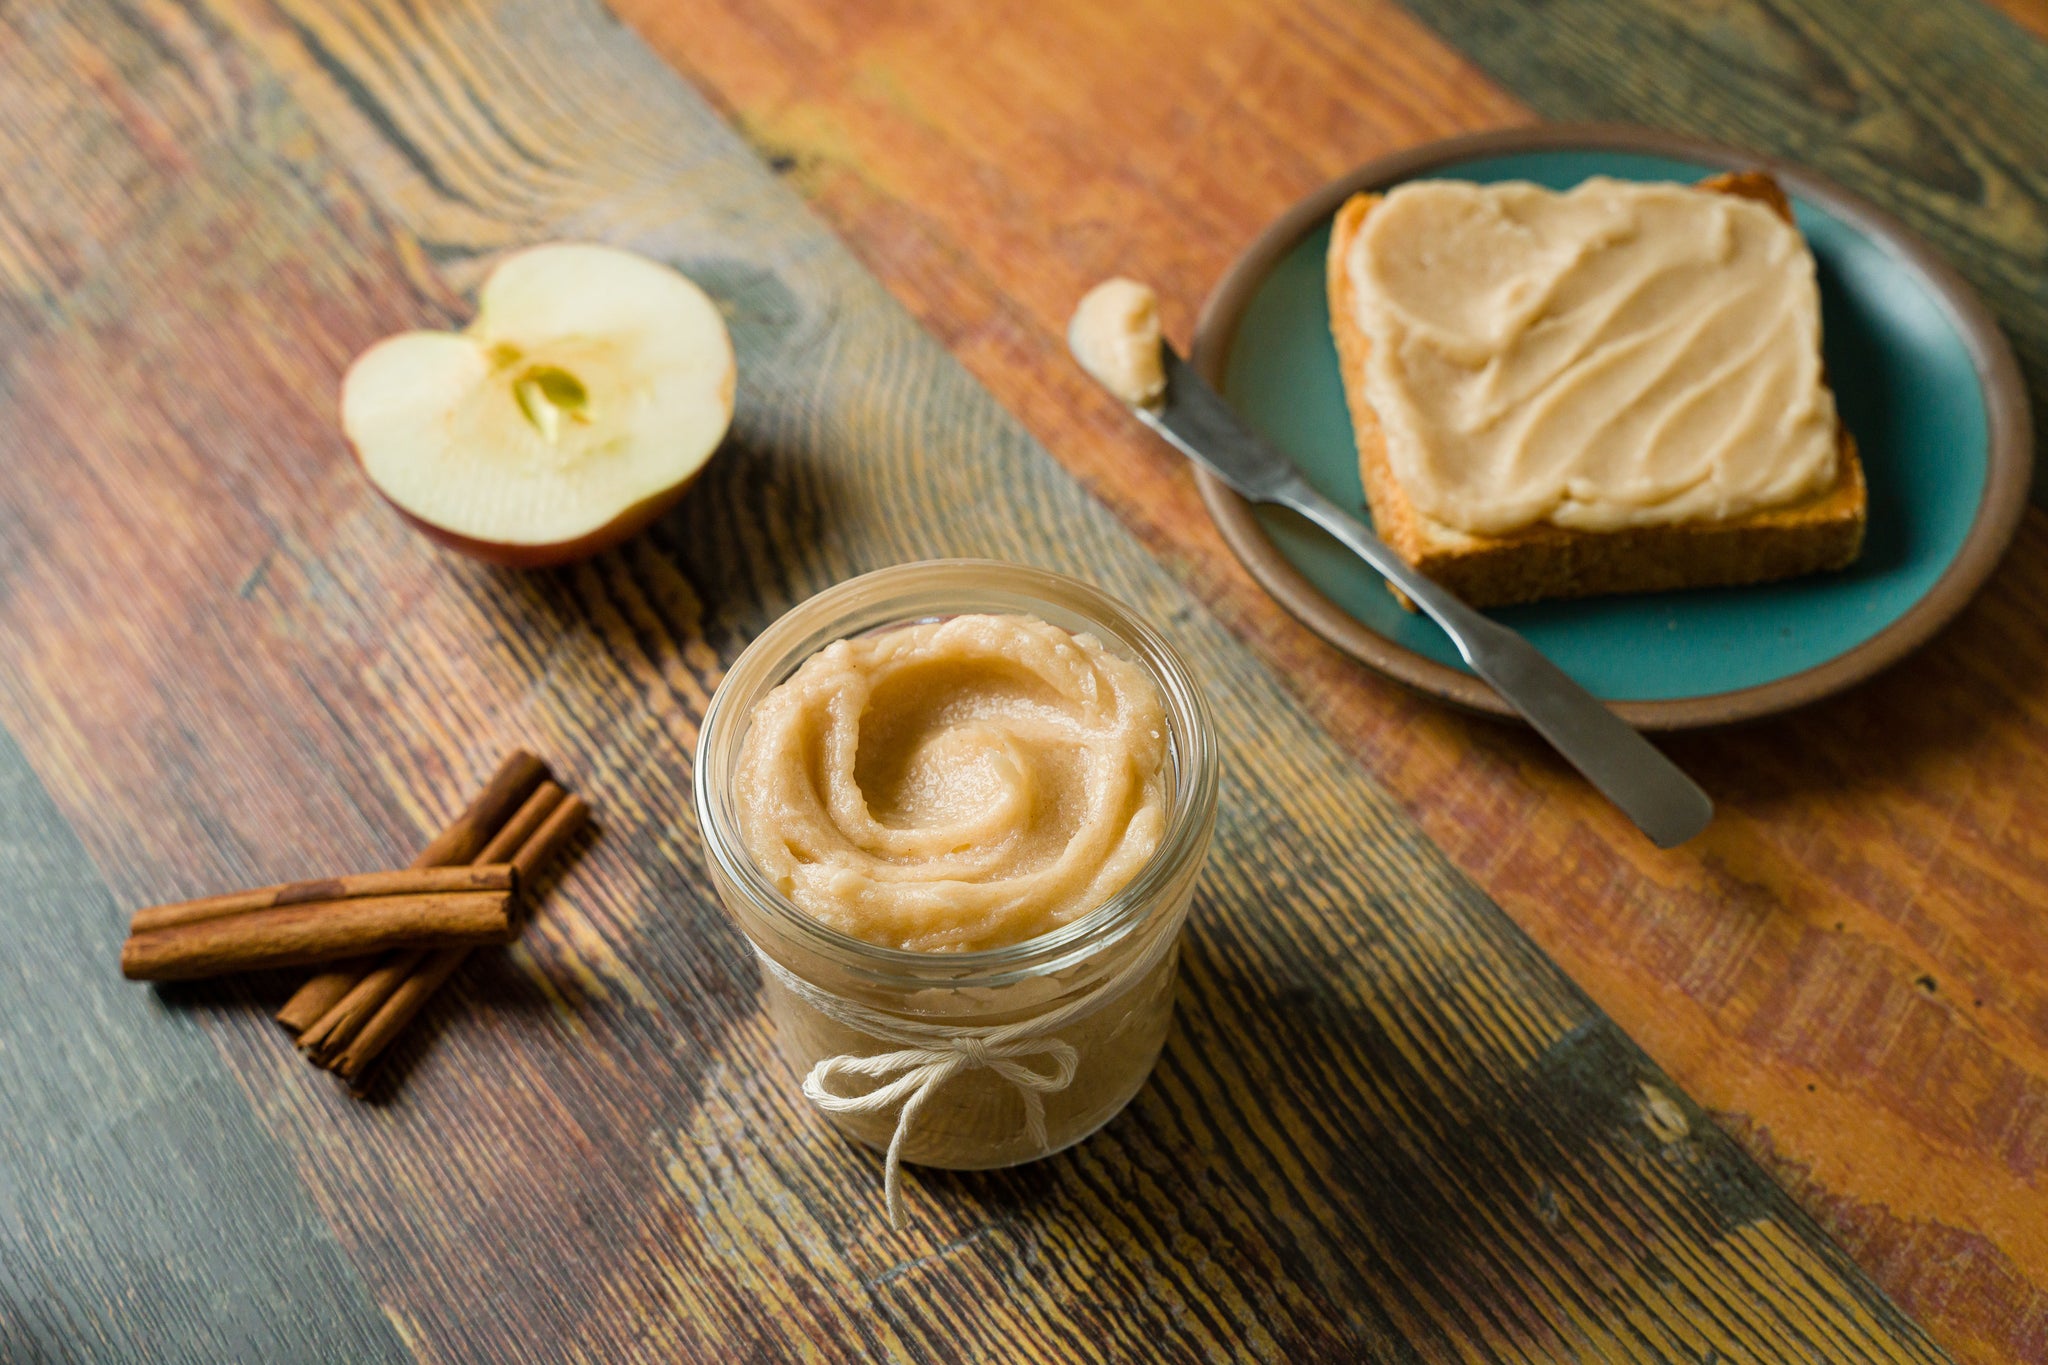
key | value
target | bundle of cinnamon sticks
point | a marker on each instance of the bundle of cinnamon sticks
(388, 940)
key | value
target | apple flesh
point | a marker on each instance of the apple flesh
(590, 390)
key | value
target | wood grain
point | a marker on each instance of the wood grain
(1385, 1126)
(1849, 970)
(2031, 15)
(148, 1215)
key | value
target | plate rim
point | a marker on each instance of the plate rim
(2009, 428)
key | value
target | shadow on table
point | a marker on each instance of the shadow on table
(1327, 1146)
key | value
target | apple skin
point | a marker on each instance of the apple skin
(617, 531)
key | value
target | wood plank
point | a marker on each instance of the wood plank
(1385, 1125)
(1867, 848)
(2031, 15)
(145, 1214)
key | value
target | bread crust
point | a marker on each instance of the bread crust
(1546, 561)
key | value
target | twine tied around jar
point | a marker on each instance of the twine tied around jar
(932, 1054)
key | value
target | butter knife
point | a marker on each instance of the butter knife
(1651, 790)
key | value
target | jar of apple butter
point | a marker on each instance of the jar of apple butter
(959, 809)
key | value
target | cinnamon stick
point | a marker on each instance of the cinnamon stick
(516, 776)
(318, 995)
(373, 984)
(407, 882)
(463, 839)
(405, 1002)
(334, 1030)
(317, 931)
(551, 837)
(511, 840)
(428, 977)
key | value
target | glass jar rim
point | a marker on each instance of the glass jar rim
(923, 590)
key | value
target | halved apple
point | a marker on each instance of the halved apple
(592, 387)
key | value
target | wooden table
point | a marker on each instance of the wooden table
(1386, 1123)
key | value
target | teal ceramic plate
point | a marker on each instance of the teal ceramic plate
(1924, 379)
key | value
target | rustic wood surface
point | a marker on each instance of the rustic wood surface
(2031, 15)
(1386, 1124)
(1851, 971)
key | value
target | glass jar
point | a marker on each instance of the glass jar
(967, 1060)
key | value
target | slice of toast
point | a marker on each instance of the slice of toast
(1544, 561)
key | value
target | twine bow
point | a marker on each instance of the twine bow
(920, 1071)
(929, 1055)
